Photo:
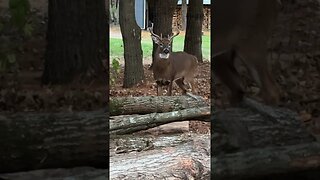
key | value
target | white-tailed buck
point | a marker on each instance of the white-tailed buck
(241, 29)
(169, 67)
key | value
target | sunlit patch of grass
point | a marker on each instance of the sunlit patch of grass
(116, 46)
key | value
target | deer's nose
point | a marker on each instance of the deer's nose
(166, 50)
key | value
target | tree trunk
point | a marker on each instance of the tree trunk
(256, 126)
(193, 39)
(185, 159)
(131, 34)
(76, 40)
(152, 104)
(270, 140)
(184, 8)
(114, 11)
(162, 15)
(53, 140)
(271, 161)
(77, 173)
(134, 123)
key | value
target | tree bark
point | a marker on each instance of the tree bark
(152, 104)
(184, 9)
(53, 140)
(269, 162)
(114, 11)
(255, 125)
(120, 144)
(77, 173)
(162, 15)
(131, 35)
(193, 39)
(76, 40)
(130, 124)
(189, 159)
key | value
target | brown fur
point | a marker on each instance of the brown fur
(180, 68)
(242, 31)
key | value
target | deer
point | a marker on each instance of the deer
(172, 67)
(241, 31)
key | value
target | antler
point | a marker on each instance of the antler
(151, 31)
(178, 32)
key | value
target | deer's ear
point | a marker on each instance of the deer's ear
(155, 39)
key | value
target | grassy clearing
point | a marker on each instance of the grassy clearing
(116, 46)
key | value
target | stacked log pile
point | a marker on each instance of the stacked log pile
(177, 19)
(271, 140)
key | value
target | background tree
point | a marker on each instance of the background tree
(76, 40)
(162, 15)
(114, 11)
(193, 39)
(184, 8)
(131, 35)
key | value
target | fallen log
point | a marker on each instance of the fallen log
(270, 161)
(78, 173)
(152, 104)
(134, 123)
(128, 143)
(188, 160)
(255, 125)
(53, 140)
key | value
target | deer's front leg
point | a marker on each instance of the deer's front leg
(170, 88)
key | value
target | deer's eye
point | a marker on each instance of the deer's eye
(161, 45)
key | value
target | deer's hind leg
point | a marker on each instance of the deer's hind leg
(169, 92)
(225, 70)
(258, 67)
(193, 84)
(182, 86)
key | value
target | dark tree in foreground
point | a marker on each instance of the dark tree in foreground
(131, 34)
(76, 40)
(162, 15)
(193, 39)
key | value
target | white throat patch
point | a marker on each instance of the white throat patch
(164, 56)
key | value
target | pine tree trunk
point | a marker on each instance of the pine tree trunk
(76, 40)
(131, 34)
(193, 39)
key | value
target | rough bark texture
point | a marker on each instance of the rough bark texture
(270, 140)
(114, 11)
(76, 40)
(34, 141)
(258, 126)
(267, 161)
(78, 173)
(193, 39)
(185, 159)
(130, 124)
(131, 35)
(142, 142)
(184, 8)
(162, 13)
(152, 104)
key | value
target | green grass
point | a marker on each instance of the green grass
(116, 46)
